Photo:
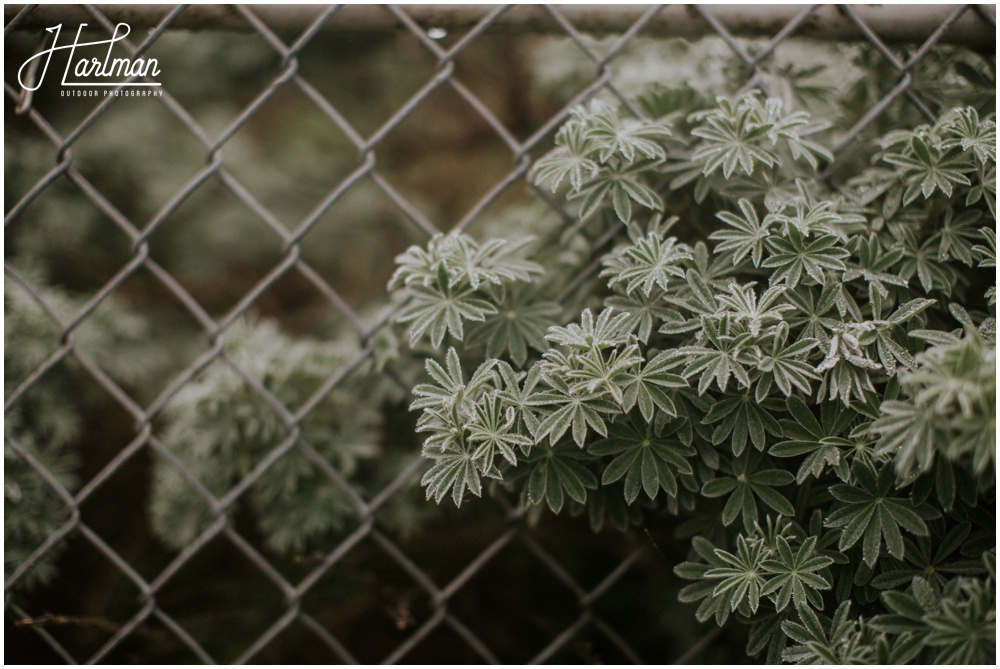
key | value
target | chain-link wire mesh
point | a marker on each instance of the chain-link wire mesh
(442, 621)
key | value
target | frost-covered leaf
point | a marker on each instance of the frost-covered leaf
(646, 461)
(868, 514)
(557, 473)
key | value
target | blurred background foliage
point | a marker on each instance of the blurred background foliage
(443, 157)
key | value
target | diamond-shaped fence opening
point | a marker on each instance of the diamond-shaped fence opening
(383, 605)
(173, 260)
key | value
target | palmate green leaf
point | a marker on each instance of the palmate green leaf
(643, 311)
(647, 461)
(745, 236)
(848, 345)
(819, 640)
(748, 484)
(821, 441)
(965, 129)
(646, 264)
(492, 431)
(794, 254)
(738, 416)
(703, 589)
(711, 364)
(733, 136)
(728, 356)
(868, 512)
(795, 578)
(741, 305)
(875, 266)
(696, 302)
(436, 311)
(594, 194)
(713, 272)
(629, 188)
(974, 443)
(955, 235)
(921, 259)
(596, 371)
(608, 330)
(814, 316)
(925, 170)
(557, 473)
(649, 386)
(453, 472)
(956, 623)
(843, 299)
(951, 410)
(454, 260)
(937, 561)
(493, 262)
(910, 433)
(727, 146)
(626, 137)
(623, 185)
(956, 378)
(520, 395)
(422, 265)
(813, 218)
(890, 351)
(451, 389)
(888, 337)
(784, 365)
(519, 323)
(984, 187)
(573, 158)
(793, 128)
(743, 576)
(847, 368)
(742, 133)
(575, 411)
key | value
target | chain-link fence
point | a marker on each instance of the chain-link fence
(447, 590)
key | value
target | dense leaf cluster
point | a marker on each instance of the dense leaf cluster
(808, 383)
(41, 429)
(226, 425)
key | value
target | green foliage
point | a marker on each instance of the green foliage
(42, 429)
(868, 511)
(228, 420)
(787, 355)
(455, 279)
(810, 367)
(950, 408)
(606, 157)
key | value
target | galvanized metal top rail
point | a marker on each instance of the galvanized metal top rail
(892, 22)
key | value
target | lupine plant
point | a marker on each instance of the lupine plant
(790, 362)
(234, 415)
(42, 429)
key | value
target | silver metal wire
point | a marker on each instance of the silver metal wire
(313, 26)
